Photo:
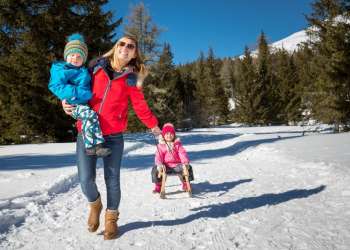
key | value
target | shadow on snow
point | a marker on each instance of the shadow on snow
(203, 188)
(222, 210)
(21, 162)
(190, 139)
(146, 161)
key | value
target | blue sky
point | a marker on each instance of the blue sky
(226, 26)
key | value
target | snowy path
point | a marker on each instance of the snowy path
(250, 192)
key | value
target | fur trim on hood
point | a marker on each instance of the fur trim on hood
(161, 140)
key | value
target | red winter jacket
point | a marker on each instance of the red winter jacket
(110, 100)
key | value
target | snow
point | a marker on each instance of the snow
(254, 188)
(290, 43)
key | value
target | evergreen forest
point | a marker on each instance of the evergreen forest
(264, 88)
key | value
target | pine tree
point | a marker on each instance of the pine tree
(246, 91)
(201, 93)
(289, 90)
(140, 25)
(267, 102)
(163, 89)
(32, 36)
(187, 91)
(215, 94)
(227, 77)
(331, 22)
(307, 73)
(178, 100)
(171, 81)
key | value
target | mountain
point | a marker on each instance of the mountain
(290, 43)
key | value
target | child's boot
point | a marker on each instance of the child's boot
(94, 216)
(102, 151)
(90, 151)
(111, 227)
(184, 186)
(157, 187)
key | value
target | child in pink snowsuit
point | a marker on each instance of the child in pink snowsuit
(172, 154)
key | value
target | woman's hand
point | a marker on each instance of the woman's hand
(156, 131)
(68, 109)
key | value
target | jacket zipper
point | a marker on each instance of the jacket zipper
(105, 95)
(108, 88)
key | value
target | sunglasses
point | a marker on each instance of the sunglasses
(128, 45)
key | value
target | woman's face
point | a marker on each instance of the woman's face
(126, 50)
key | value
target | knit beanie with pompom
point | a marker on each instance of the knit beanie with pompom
(168, 128)
(76, 44)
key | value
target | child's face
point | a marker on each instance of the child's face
(75, 59)
(169, 137)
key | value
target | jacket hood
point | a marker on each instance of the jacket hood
(161, 140)
(133, 78)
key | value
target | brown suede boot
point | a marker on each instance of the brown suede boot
(94, 216)
(111, 227)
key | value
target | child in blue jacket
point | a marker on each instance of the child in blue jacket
(71, 81)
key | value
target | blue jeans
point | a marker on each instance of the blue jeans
(111, 164)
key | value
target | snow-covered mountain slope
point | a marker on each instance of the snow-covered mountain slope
(290, 43)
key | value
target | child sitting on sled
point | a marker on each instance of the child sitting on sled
(171, 155)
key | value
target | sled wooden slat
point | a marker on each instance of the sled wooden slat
(163, 175)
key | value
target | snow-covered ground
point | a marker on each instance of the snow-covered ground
(254, 188)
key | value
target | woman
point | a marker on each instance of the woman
(116, 77)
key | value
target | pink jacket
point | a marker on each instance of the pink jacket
(177, 155)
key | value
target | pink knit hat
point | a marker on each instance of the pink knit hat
(168, 128)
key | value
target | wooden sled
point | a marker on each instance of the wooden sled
(162, 174)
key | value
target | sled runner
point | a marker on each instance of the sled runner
(185, 175)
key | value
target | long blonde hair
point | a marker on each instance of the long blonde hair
(136, 63)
